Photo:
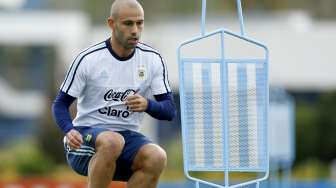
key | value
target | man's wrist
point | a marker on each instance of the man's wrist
(68, 129)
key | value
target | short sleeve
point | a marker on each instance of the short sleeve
(75, 79)
(160, 83)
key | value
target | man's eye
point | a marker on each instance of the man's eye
(128, 23)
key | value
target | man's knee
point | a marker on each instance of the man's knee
(151, 158)
(110, 143)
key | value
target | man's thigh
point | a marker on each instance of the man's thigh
(133, 143)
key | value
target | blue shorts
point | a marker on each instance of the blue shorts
(79, 159)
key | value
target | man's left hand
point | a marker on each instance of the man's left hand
(137, 103)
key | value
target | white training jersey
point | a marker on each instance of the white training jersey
(101, 82)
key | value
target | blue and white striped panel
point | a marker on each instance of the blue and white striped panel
(203, 103)
(205, 124)
(247, 125)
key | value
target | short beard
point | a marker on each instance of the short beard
(120, 36)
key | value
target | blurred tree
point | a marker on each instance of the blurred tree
(24, 158)
(315, 127)
(65, 4)
(50, 138)
(156, 9)
(306, 129)
(326, 125)
(323, 8)
(266, 5)
(98, 10)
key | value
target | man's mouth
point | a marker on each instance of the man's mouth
(133, 40)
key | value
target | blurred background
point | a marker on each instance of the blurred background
(39, 38)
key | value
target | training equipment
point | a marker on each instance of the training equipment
(224, 107)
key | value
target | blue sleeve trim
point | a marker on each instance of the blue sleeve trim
(163, 108)
(60, 110)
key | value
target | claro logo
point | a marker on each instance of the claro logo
(117, 96)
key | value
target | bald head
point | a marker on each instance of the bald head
(119, 5)
(126, 22)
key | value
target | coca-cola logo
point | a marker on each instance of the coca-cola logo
(118, 95)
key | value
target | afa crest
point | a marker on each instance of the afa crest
(142, 73)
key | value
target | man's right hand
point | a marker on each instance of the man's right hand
(74, 139)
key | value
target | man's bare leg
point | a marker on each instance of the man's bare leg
(147, 166)
(102, 165)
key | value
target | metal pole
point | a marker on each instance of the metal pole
(241, 18)
(224, 78)
(204, 2)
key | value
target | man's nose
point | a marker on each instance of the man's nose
(134, 29)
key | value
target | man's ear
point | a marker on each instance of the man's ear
(110, 22)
